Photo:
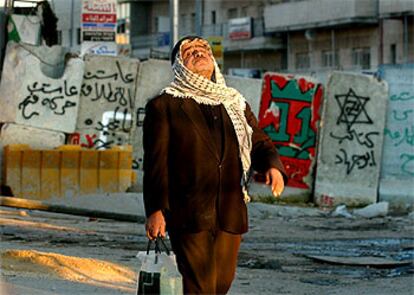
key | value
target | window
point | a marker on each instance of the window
(302, 60)
(213, 17)
(243, 12)
(393, 54)
(232, 13)
(361, 57)
(329, 60)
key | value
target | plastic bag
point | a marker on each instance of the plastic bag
(158, 273)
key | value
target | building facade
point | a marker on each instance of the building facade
(301, 36)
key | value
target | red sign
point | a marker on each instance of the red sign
(98, 18)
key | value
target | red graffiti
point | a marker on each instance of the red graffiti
(86, 141)
(289, 114)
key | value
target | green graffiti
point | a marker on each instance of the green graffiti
(403, 96)
(292, 91)
(307, 137)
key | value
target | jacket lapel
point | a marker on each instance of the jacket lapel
(193, 112)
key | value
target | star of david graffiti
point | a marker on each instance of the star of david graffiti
(352, 108)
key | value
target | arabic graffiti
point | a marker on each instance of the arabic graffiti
(358, 161)
(52, 97)
(353, 114)
(108, 88)
(361, 137)
(100, 85)
(399, 132)
(402, 96)
(289, 114)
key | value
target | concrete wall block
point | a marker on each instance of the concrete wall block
(66, 172)
(108, 95)
(69, 171)
(350, 145)
(153, 76)
(50, 174)
(290, 115)
(32, 94)
(251, 89)
(397, 169)
(34, 137)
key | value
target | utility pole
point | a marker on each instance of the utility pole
(174, 10)
(71, 24)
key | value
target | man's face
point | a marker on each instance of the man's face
(196, 56)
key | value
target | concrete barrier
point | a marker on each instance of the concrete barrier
(66, 172)
(351, 139)
(397, 169)
(250, 88)
(289, 114)
(153, 76)
(34, 90)
(107, 107)
(34, 137)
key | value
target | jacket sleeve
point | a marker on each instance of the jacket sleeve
(156, 140)
(264, 154)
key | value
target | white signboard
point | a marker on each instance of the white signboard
(98, 25)
(240, 28)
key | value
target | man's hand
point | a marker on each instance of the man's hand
(275, 179)
(155, 225)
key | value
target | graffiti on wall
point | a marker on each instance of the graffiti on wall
(44, 97)
(352, 114)
(400, 130)
(398, 158)
(107, 111)
(289, 114)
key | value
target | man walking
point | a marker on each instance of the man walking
(200, 140)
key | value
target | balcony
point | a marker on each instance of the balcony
(396, 8)
(319, 13)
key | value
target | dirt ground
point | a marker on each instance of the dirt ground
(50, 253)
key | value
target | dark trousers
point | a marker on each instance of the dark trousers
(207, 260)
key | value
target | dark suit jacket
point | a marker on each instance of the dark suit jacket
(183, 173)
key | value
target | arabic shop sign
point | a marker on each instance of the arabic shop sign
(98, 25)
(240, 28)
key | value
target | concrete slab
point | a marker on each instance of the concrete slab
(351, 139)
(289, 114)
(153, 76)
(34, 137)
(251, 89)
(397, 168)
(108, 94)
(107, 110)
(36, 92)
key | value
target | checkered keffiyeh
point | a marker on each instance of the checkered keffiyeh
(188, 84)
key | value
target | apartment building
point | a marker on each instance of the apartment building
(356, 35)
(239, 22)
(268, 35)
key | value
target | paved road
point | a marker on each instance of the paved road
(49, 253)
